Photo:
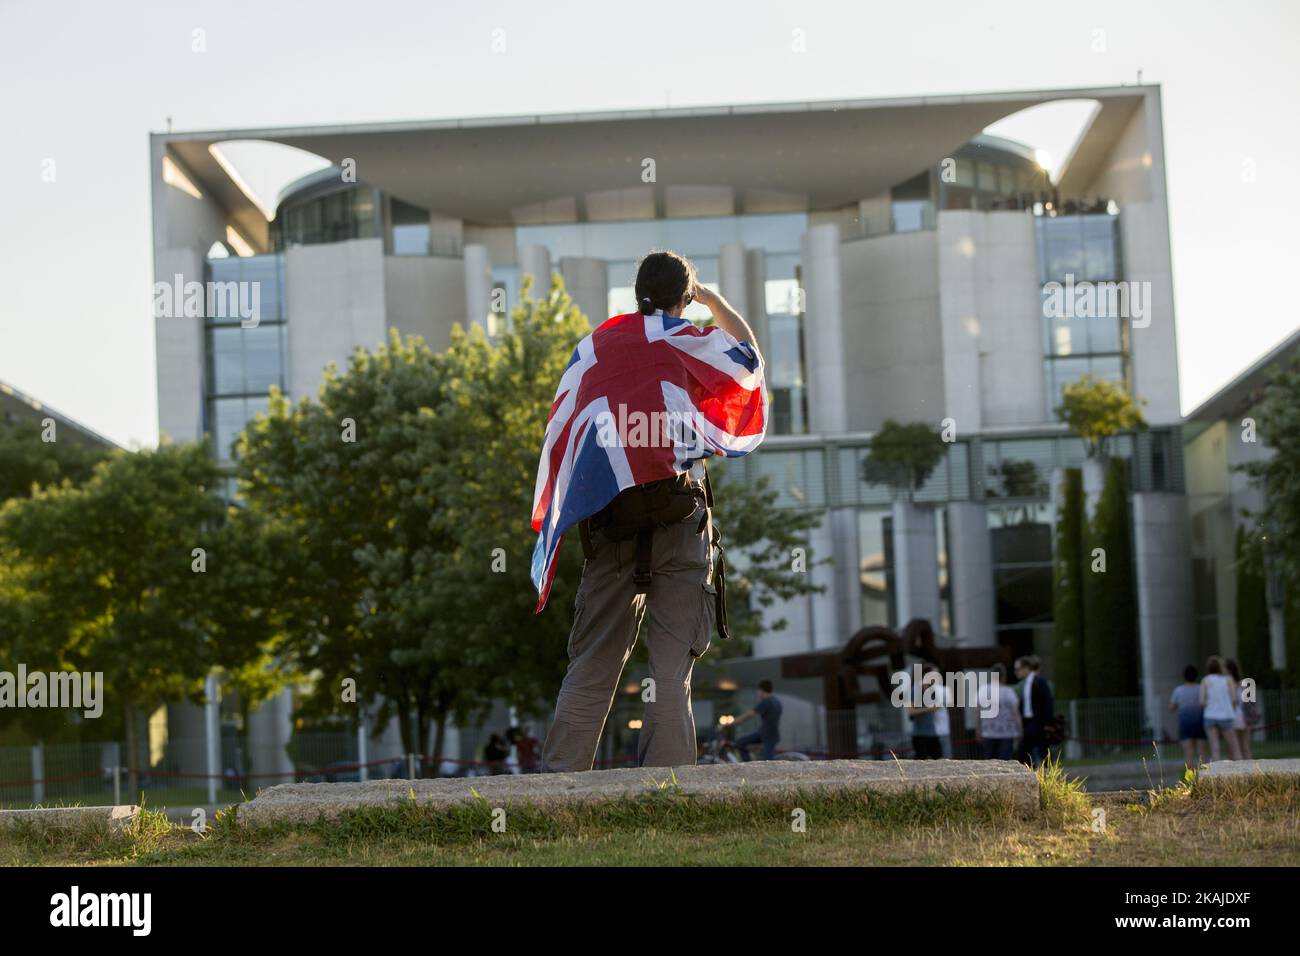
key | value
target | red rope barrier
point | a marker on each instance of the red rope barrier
(427, 760)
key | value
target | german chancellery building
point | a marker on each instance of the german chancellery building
(892, 256)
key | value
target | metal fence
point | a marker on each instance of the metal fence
(1099, 731)
(1118, 728)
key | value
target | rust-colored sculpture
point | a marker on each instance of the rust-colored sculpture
(877, 652)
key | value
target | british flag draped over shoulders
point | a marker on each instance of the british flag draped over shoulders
(642, 398)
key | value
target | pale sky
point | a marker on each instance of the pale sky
(83, 83)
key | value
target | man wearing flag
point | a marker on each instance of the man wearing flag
(645, 399)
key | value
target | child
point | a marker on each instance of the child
(1186, 702)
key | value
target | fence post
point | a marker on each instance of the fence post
(117, 786)
(1074, 749)
(363, 772)
(410, 766)
(38, 773)
(212, 732)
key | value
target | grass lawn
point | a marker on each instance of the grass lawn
(1256, 822)
(157, 796)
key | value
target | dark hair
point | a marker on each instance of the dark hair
(663, 280)
(1214, 665)
(765, 686)
(1190, 673)
(1233, 670)
(1029, 662)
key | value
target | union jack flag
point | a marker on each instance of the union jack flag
(642, 398)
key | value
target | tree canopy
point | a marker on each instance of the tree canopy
(1097, 409)
(903, 456)
(401, 498)
(136, 573)
(27, 459)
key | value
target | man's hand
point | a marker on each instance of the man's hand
(705, 296)
(724, 316)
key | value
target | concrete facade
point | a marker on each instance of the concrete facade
(341, 286)
(970, 550)
(916, 567)
(1164, 587)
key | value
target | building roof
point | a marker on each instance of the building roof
(12, 402)
(1248, 387)
(823, 153)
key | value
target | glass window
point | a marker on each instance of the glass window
(1006, 181)
(1024, 595)
(1104, 334)
(260, 280)
(1019, 468)
(911, 215)
(876, 568)
(411, 240)
(958, 197)
(246, 360)
(411, 229)
(1062, 372)
(1100, 236)
(779, 233)
(229, 416)
(796, 476)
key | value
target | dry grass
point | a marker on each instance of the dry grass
(1255, 822)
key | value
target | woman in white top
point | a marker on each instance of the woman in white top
(1218, 698)
(1240, 725)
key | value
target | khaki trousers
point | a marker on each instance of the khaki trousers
(679, 605)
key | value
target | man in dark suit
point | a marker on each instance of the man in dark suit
(1037, 710)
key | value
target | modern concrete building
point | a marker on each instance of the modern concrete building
(1222, 434)
(894, 258)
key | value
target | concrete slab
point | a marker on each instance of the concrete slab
(307, 802)
(108, 818)
(1235, 770)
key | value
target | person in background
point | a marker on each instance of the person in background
(942, 717)
(1037, 709)
(1218, 692)
(1245, 713)
(495, 753)
(526, 748)
(926, 744)
(768, 711)
(1186, 702)
(998, 733)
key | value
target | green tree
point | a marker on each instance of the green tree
(1290, 675)
(1253, 653)
(903, 456)
(406, 553)
(1110, 640)
(760, 541)
(105, 577)
(1097, 409)
(1278, 475)
(1067, 590)
(27, 460)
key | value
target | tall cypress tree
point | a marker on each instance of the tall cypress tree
(1067, 589)
(1110, 599)
(1252, 612)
